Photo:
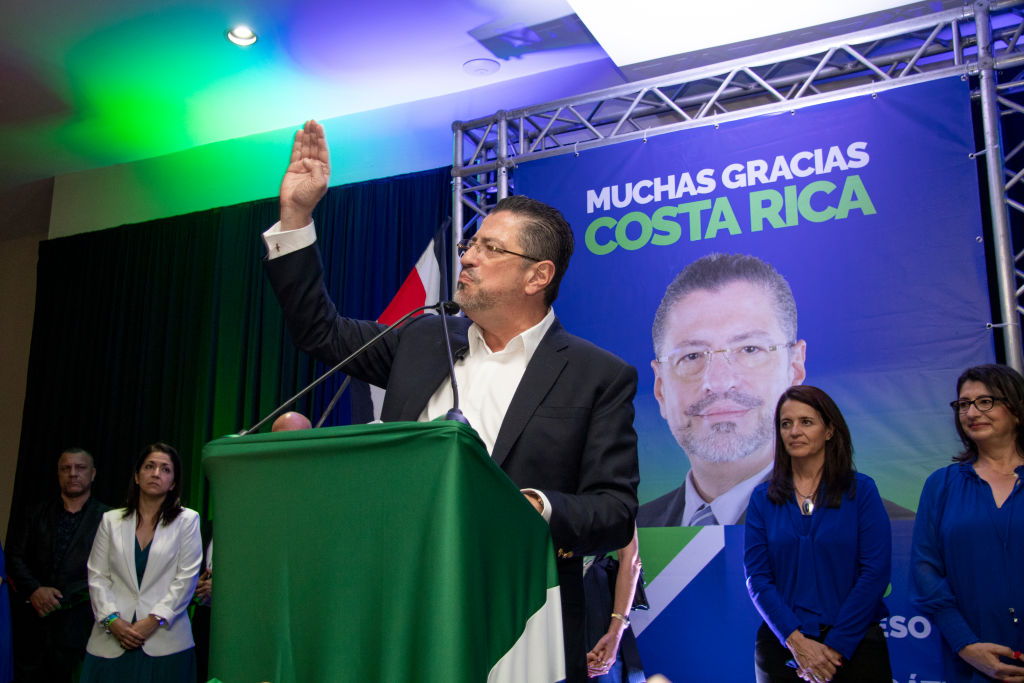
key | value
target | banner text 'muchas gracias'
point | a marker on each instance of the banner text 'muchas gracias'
(814, 201)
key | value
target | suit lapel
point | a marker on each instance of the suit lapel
(434, 367)
(128, 547)
(542, 371)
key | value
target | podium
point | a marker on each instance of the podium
(382, 552)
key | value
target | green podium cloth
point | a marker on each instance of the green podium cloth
(384, 552)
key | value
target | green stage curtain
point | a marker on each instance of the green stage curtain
(168, 331)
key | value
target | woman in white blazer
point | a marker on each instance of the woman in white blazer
(142, 572)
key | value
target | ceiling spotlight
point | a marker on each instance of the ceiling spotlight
(481, 67)
(241, 35)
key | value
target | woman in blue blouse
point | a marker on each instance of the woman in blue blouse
(967, 558)
(818, 549)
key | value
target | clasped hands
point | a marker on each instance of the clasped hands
(134, 635)
(204, 587)
(45, 599)
(601, 658)
(987, 658)
(815, 662)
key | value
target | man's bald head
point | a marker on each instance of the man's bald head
(291, 422)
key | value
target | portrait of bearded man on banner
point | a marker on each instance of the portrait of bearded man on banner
(726, 347)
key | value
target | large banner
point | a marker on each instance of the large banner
(867, 210)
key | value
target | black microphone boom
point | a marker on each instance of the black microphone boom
(348, 359)
(446, 308)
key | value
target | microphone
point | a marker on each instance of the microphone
(348, 359)
(447, 308)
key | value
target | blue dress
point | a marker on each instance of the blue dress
(830, 568)
(966, 564)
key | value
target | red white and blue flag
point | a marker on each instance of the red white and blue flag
(425, 285)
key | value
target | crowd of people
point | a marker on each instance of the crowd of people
(101, 594)
(817, 543)
(109, 590)
(104, 594)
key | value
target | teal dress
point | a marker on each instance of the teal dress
(135, 666)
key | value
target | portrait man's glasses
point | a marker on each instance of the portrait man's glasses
(689, 363)
(490, 250)
(982, 403)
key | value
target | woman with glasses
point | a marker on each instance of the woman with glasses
(818, 550)
(967, 559)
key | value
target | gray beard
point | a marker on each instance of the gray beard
(473, 302)
(723, 443)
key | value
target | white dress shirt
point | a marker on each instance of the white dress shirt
(280, 242)
(487, 379)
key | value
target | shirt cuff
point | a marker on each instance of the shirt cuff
(546, 510)
(281, 242)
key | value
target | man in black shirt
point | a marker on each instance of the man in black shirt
(47, 564)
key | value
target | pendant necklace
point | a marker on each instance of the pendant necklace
(807, 506)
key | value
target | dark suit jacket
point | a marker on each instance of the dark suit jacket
(568, 431)
(30, 564)
(666, 510)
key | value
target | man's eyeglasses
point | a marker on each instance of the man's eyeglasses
(688, 364)
(982, 403)
(489, 250)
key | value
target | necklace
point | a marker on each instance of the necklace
(807, 506)
(1011, 473)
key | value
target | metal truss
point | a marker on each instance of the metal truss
(1013, 173)
(972, 42)
(1008, 105)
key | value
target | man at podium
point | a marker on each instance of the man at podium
(554, 411)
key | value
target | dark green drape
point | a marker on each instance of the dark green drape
(168, 331)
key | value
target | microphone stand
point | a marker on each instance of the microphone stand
(334, 400)
(319, 380)
(453, 414)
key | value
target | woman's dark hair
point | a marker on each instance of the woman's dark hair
(1002, 381)
(837, 476)
(171, 507)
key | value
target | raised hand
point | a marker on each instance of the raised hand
(305, 181)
